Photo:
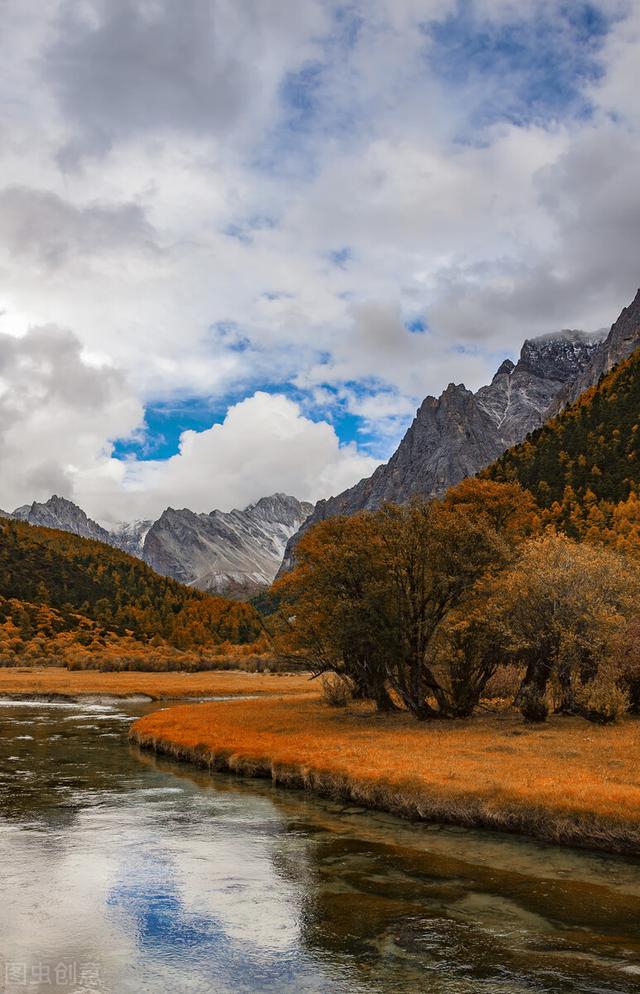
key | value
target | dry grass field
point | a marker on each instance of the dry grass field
(54, 680)
(566, 781)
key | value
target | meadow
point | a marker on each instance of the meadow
(565, 781)
(56, 681)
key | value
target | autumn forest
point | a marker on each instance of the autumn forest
(520, 584)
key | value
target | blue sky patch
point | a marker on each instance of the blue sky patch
(301, 95)
(340, 257)
(417, 326)
(164, 423)
(522, 70)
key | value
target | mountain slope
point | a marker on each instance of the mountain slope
(129, 536)
(459, 433)
(589, 453)
(237, 552)
(85, 582)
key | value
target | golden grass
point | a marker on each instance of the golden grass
(566, 781)
(54, 680)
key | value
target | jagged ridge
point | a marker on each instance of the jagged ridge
(237, 551)
(459, 433)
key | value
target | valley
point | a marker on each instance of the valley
(319, 497)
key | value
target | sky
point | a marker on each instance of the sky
(240, 240)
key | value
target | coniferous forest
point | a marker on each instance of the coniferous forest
(59, 591)
(583, 467)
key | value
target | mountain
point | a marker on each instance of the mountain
(586, 457)
(460, 432)
(130, 536)
(621, 342)
(62, 514)
(236, 552)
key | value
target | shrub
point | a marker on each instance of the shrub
(337, 690)
(602, 699)
(626, 654)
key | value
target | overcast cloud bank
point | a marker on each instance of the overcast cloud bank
(304, 214)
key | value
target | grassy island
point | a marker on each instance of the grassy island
(564, 781)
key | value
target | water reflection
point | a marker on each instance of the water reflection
(166, 879)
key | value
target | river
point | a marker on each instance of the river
(124, 874)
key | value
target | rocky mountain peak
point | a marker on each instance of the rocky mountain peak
(623, 339)
(505, 369)
(558, 356)
(279, 508)
(58, 512)
(233, 552)
(624, 332)
(459, 433)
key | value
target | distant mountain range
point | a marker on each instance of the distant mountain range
(460, 433)
(235, 553)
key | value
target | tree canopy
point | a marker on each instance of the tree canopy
(53, 582)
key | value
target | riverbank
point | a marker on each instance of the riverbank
(566, 782)
(60, 682)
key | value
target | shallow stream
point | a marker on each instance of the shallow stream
(125, 874)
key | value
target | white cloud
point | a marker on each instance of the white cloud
(174, 179)
(40, 228)
(126, 67)
(54, 407)
(264, 445)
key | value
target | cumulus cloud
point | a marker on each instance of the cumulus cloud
(43, 228)
(264, 445)
(54, 408)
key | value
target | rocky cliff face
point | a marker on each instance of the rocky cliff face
(459, 433)
(622, 340)
(60, 513)
(130, 535)
(237, 552)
